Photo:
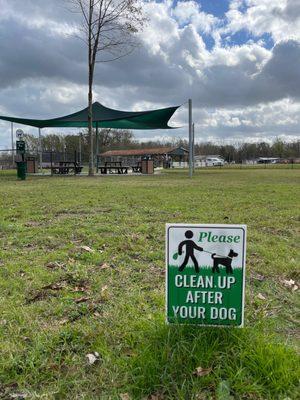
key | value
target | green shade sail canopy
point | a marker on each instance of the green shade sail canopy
(104, 117)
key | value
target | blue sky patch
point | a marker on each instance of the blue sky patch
(243, 36)
(218, 8)
(208, 40)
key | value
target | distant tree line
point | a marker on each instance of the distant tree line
(57, 143)
(250, 151)
(110, 139)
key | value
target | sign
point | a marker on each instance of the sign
(205, 278)
(19, 133)
(20, 146)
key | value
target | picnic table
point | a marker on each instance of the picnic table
(65, 167)
(137, 167)
(113, 167)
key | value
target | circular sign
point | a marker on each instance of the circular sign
(19, 133)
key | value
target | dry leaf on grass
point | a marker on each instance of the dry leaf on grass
(104, 293)
(87, 249)
(55, 286)
(104, 289)
(92, 358)
(55, 265)
(258, 277)
(199, 371)
(97, 314)
(63, 321)
(78, 289)
(125, 396)
(260, 297)
(82, 300)
(291, 284)
(156, 396)
(18, 396)
(104, 266)
(40, 295)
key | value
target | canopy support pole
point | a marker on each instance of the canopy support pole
(12, 143)
(40, 152)
(79, 156)
(97, 146)
(193, 147)
(190, 139)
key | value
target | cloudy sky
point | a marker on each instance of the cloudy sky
(239, 60)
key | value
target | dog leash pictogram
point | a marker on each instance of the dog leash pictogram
(215, 254)
(175, 256)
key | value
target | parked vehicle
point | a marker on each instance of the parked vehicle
(214, 162)
(268, 160)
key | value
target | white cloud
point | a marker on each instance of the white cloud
(239, 90)
(280, 18)
(189, 12)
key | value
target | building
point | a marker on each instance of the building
(161, 156)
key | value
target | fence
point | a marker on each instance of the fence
(7, 159)
(49, 158)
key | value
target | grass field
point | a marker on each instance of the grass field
(82, 271)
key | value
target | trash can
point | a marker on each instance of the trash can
(147, 166)
(21, 169)
(32, 167)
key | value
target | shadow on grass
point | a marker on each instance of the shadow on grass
(251, 363)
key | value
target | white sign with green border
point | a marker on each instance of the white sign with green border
(205, 277)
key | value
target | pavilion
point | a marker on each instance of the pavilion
(103, 117)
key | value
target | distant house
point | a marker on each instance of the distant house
(162, 156)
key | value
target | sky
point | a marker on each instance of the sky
(238, 60)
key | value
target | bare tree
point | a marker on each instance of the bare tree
(108, 28)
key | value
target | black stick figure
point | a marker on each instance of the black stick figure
(190, 246)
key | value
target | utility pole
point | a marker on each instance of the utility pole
(190, 139)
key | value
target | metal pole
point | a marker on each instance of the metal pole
(51, 161)
(190, 139)
(12, 144)
(40, 151)
(65, 148)
(193, 147)
(80, 133)
(97, 146)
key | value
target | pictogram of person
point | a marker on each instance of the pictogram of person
(190, 246)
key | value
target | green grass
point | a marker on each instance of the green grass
(45, 334)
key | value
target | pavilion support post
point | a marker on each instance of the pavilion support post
(190, 139)
(65, 149)
(12, 144)
(51, 161)
(40, 151)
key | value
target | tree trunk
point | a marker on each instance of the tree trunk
(90, 95)
(90, 125)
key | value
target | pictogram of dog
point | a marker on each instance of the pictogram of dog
(225, 261)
